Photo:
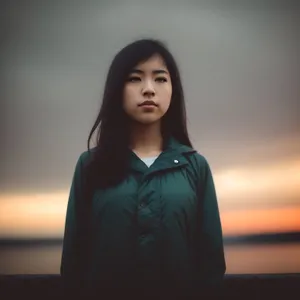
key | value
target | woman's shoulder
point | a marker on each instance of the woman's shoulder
(192, 154)
(199, 165)
(85, 156)
(198, 159)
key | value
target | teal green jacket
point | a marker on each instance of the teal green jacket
(159, 227)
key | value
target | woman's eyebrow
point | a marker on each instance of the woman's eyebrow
(158, 71)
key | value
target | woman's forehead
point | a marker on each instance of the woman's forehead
(154, 62)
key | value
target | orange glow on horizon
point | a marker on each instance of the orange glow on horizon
(41, 215)
(270, 184)
(261, 221)
(251, 200)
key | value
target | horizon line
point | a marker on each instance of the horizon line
(260, 238)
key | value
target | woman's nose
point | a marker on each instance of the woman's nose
(148, 88)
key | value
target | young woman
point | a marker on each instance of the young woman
(142, 215)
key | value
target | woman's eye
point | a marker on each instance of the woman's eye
(134, 79)
(161, 79)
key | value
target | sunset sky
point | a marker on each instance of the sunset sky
(251, 200)
(240, 71)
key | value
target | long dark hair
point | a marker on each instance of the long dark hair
(109, 161)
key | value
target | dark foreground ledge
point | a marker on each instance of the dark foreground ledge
(279, 286)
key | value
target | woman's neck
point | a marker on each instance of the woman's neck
(146, 140)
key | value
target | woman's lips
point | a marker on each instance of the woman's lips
(148, 103)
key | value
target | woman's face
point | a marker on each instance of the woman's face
(148, 91)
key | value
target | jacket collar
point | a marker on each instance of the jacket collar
(174, 156)
(174, 145)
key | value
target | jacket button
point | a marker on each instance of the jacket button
(176, 161)
(142, 204)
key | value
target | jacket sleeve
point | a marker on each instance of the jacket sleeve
(69, 268)
(210, 249)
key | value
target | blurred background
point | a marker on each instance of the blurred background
(240, 68)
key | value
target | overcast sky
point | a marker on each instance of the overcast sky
(239, 65)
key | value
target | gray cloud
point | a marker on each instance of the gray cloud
(240, 68)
